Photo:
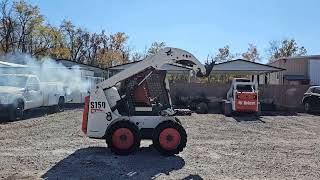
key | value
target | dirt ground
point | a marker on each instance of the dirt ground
(274, 146)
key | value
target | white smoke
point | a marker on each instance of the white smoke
(48, 70)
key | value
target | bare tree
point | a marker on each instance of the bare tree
(252, 54)
(224, 54)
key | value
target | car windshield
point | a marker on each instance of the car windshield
(245, 88)
(13, 81)
(316, 90)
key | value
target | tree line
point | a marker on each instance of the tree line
(23, 29)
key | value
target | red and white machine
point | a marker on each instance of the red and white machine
(242, 97)
(135, 104)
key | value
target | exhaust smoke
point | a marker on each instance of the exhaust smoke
(48, 70)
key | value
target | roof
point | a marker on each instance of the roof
(27, 75)
(7, 64)
(78, 63)
(244, 66)
(313, 57)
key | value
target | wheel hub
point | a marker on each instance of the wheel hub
(169, 138)
(122, 138)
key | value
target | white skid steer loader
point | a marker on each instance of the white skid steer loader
(135, 104)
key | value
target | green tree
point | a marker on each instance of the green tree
(285, 48)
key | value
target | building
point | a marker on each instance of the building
(302, 70)
(86, 70)
(258, 71)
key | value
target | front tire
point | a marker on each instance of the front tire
(169, 138)
(16, 111)
(123, 138)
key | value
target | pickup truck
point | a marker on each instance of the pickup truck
(21, 92)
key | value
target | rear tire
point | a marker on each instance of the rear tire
(169, 138)
(307, 107)
(123, 138)
(59, 107)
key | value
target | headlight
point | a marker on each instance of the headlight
(4, 98)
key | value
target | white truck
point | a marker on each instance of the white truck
(21, 92)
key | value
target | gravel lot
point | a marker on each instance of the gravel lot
(274, 146)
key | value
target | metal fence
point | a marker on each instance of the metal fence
(282, 96)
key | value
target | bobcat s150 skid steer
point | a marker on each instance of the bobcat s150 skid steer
(135, 104)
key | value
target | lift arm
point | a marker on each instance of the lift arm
(168, 55)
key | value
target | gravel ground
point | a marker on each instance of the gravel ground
(274, 146)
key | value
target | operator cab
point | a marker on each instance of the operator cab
(144, 94)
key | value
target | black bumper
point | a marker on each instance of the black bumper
(5, 108)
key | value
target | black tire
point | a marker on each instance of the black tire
(258, 113)
(59, 107)
(202, 108)
(307, 107)
(178, 120)
(16, 111)
(164, 126)
(228, 109)
(129, 126)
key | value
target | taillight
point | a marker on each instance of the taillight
(238, 96)
(85, 114)
(254, 96)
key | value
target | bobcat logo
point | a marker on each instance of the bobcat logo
(169, 52)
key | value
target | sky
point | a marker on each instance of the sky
(198, 26)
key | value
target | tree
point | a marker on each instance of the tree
(7, 28)
(287, 48)
(156, 47)
(136, 56)
(28, 19)
(224, 54)
(252, 54)
(74, 39)
(47, 41)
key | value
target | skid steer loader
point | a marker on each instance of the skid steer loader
(135, 104)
